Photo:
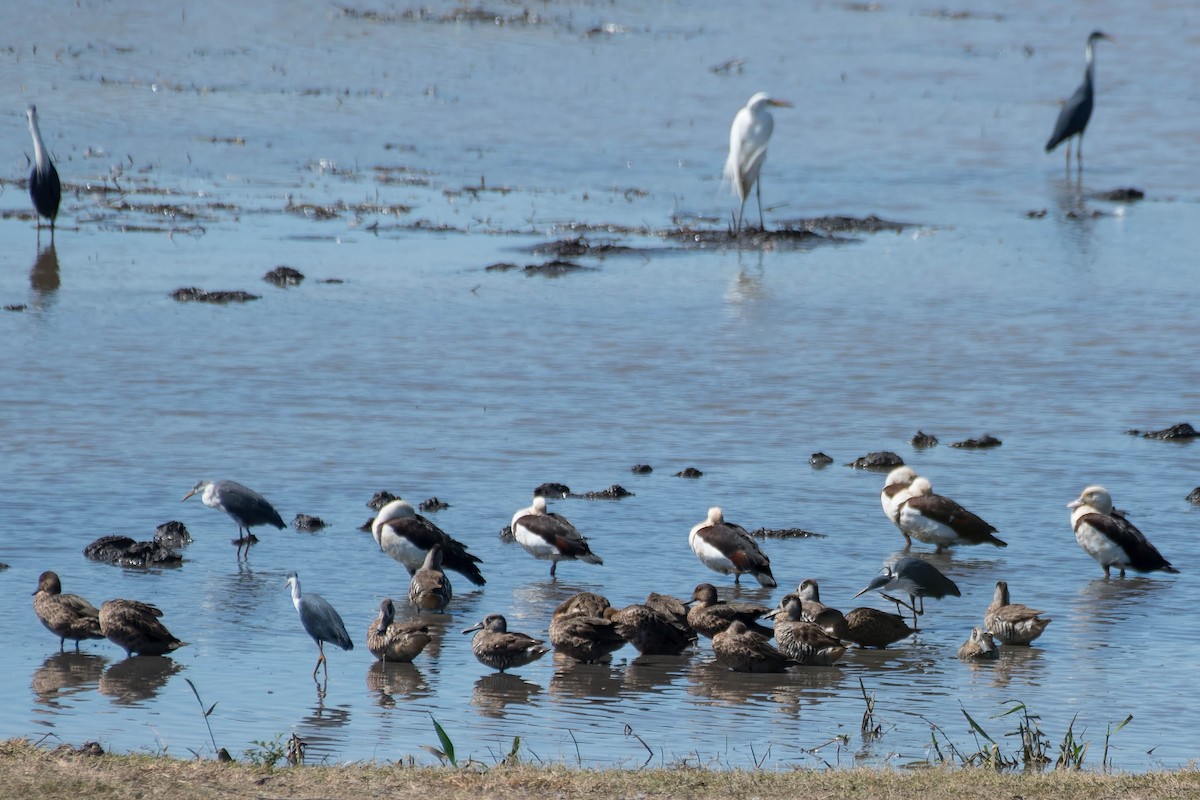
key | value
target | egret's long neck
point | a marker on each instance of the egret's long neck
(296, 593)
(40, 157)
(1089, 71)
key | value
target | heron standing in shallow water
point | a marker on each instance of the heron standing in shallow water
(1075, 113)
(247, 507)
(44, 187)
(320, 620)
(748, 137)
(915, 577)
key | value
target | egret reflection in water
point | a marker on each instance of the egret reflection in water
(44, 278)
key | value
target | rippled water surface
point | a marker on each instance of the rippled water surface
(401, 153)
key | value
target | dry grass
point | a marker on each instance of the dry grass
(30, 773)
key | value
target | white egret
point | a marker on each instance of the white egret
(748, 137)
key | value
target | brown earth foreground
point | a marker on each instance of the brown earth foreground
(32, 772)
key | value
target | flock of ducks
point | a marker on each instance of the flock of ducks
(587, 628)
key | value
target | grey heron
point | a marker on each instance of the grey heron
(320, 620)
(727, 548)
(496, 647)
(407, 536)
(247, 507)
(549, 536)
(748, 137)
(1075, 113)
(135, 627)
(1108, 537)
(44, 187)
(915, 577)
(67, 616)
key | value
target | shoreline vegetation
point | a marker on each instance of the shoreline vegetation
(37, 772)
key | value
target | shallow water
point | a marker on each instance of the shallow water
(424, 374)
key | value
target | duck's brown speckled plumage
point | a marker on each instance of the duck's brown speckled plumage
(980, 646)
(134, 626)
(67, 616)
(803, 641)
(870, 627)
(395, 642)
(657, 627)
(1012, 623)
(742, 650)
(500, 649)
(429, 589)
(708, 616)
(580, 629)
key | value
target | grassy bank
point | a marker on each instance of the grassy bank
(30, 773)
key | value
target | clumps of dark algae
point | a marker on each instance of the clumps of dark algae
(641, 469)
(614, 492)
(785, 533)
(555, 268)
(819, 459)
(172, 534)
(577, 246)
(191, 294)
(689, 472)
(1181, 431)
(303, 522)
(381, 499)
(878, 460)
(1127, 194)
(552, 490)
(982, 443)
(284, 276)
(923, 439)
(125, 552)
(433, 504)
(561, 490)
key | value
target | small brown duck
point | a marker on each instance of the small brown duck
(870, 627)
(708, 616)
(134, 626)
(802, 641)
(67, 616)
(495, 647)
(1012, 623)
(979, 647)
(727, 548)
(809, 594)
(395, 642)
(580, 629)
(429, 589)
(549, 536)
(742, 650)
(657, 627)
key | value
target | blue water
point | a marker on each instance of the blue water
(424, 374)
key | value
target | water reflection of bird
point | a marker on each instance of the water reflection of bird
(247, 507)
(134, 626)
(895, 492)
(748, 137)
(67, 616)
(593, 682)
(496, 647)
(708, 615)
(742, 650)
(802, 641)
(727, 548)
(44, 278)
(581, 630)
(320, 620)
(407, 536)
(429, 589)
(66, 673)
(1108, 537)
(979, 646)
(1075, 113)
(1012, 623)
(44, 187)
(494, 692)
(549, 536)
(915, 577)
(137, 679)
(389, 679)
(937, 520)
(395, 642)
